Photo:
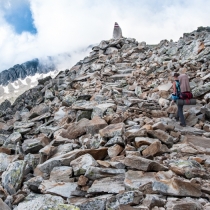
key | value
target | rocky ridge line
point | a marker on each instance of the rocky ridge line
(21, 71)
(103, 136)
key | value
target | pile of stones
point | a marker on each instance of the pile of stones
(102, 135)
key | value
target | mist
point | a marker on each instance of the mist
(68, 26)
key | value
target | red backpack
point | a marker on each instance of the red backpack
(185, 95)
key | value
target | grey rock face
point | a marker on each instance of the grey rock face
(12, 177)
(40, 202)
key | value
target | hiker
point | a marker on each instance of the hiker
(176, 87)
(175, 96)
(184, 84)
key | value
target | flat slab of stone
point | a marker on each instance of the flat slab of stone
(188, 130)
(96, 203)
(139, 180)
(125, 71)
(162, 136)
(65, 159)
(97, 173)
(165, 87)
(185, 204)
(18, 125)
(154, 149)
(113, 184)
(84, 105)
(63, 189)
(119, 76)
(65, 172)
(133, 133)
(80, 78)
(113, 130)
(188, 168)
(143, 164)
(177, 187)
(39, 202)
(198, 141)
(139, 141)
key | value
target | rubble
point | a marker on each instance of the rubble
(102, 135)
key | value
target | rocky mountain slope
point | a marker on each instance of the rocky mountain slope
(103, 136)
(14, 89)
(21, 71)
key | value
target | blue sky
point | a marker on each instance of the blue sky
(19, 16)
(37, 28)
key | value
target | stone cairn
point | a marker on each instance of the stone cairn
(103, 136)
(117, 33)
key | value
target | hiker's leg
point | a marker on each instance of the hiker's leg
(177, 114)
(181, 115)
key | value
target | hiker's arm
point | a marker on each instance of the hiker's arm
(174, 87)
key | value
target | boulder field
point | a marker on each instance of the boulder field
(102, 135)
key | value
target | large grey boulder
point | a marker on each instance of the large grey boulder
(199, 91)
(162, 136)
(13, 176)
(82, 163)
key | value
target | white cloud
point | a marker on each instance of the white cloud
(69, 25)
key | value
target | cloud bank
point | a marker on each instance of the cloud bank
(69, 26)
